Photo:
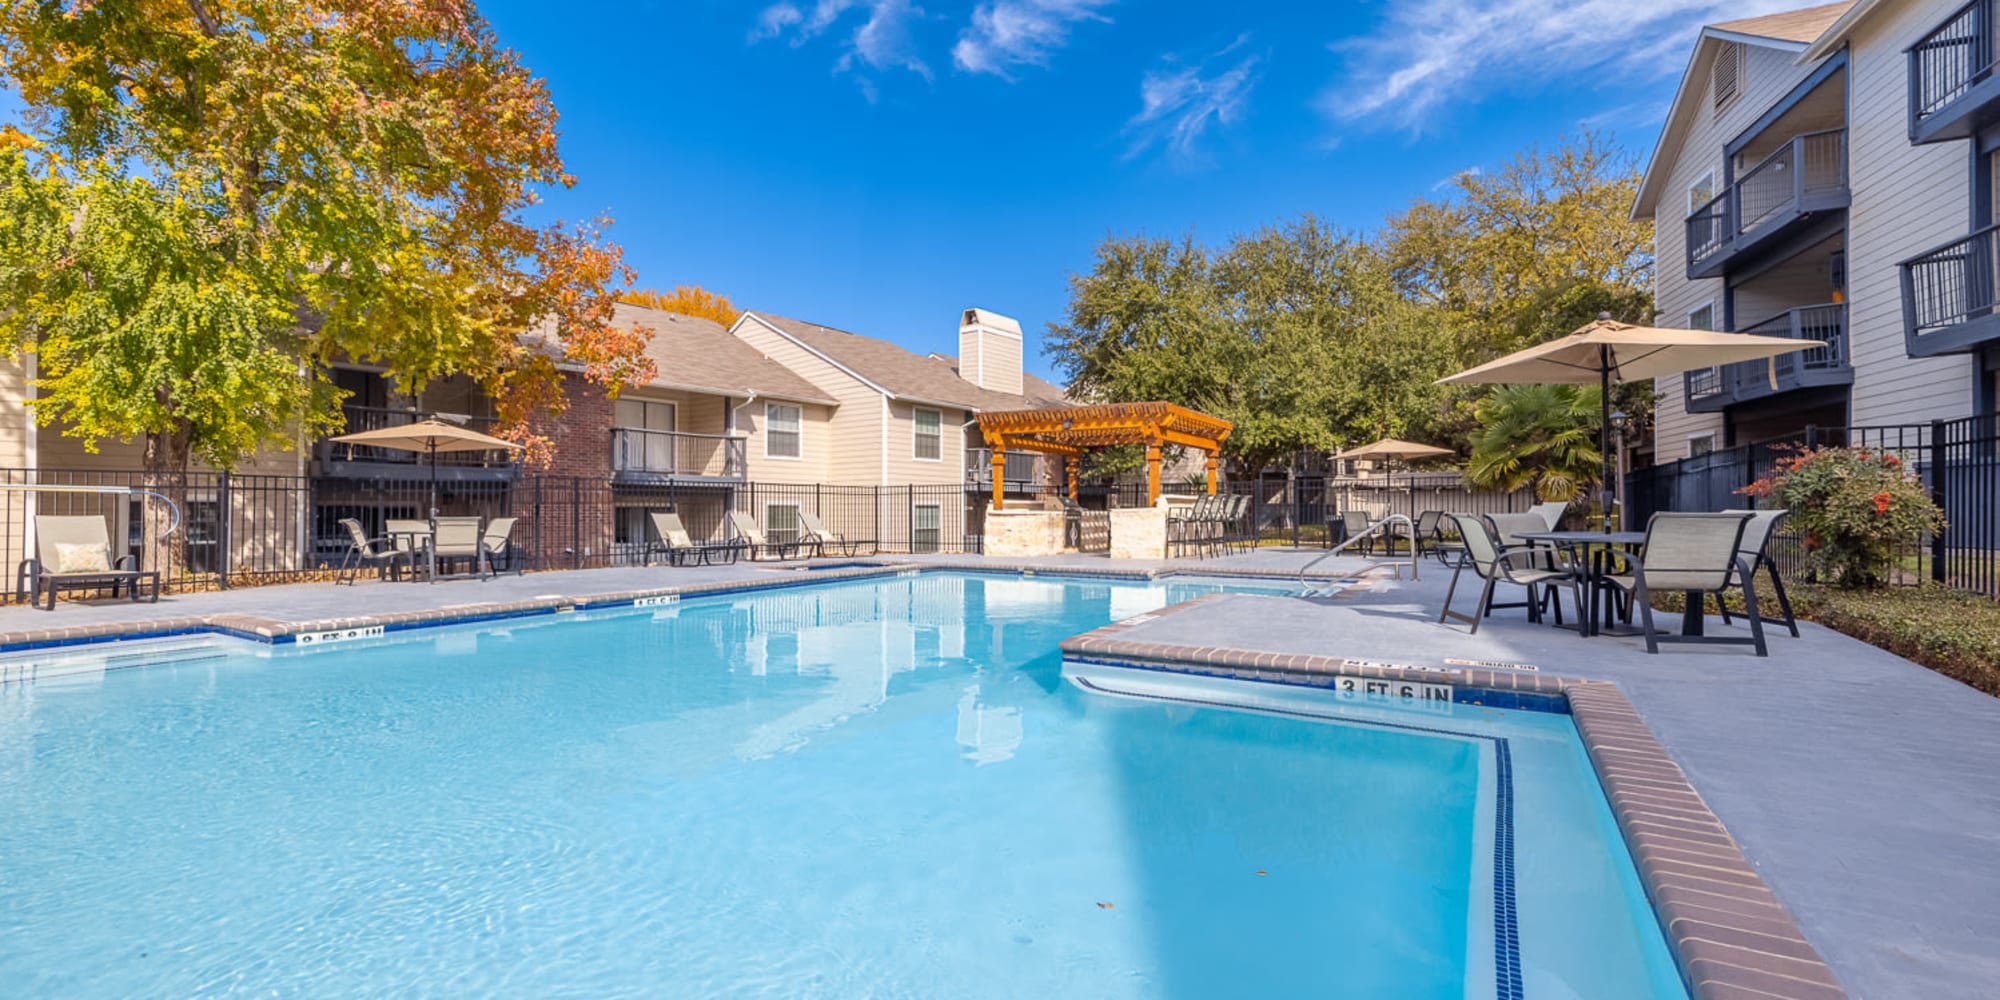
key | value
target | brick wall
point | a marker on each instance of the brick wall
(581, 438)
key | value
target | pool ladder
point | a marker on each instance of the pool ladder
(1382, 528)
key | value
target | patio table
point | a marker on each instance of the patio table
(419, 540)
(1594, 547)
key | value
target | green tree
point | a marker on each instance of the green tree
(1542, 436)
(213, 198)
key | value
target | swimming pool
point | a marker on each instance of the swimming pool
(883, 787)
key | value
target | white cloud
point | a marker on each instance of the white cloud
(1427, 53)
(1457, 176)
(1178, 103)
(1008, 33)
(881, 41)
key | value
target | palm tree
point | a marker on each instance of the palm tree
(1543, 436)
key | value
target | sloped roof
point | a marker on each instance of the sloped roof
(698, 354)
(898, 371)
(1802, 26)
(1791, 31)
(1037, 390)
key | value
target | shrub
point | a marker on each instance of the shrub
(1854, 508)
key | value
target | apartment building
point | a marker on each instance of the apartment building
(771, 416)
(1827, 174)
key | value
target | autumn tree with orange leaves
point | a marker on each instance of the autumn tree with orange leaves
(687, 300)
(207, 201)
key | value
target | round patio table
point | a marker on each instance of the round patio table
(1594, 546)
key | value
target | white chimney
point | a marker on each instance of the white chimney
(989, 351)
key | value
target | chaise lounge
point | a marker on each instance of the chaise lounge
(73, 552)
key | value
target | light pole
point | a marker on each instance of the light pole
(1619, 421)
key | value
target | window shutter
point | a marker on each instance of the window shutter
(1725, 76)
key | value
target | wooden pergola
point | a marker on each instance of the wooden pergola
(1072, 431)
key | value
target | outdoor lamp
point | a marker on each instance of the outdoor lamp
(1620, 420)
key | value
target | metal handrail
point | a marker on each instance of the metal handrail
(1308, 590)
(173, 523)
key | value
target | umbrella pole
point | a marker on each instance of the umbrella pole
(1605, 488)
(434, 484)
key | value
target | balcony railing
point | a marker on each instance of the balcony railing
(1710, 389)
(369, 418)
(1948, 296)
(1951, 74)
(1803, 176)
(1023, 469)
(637, 452)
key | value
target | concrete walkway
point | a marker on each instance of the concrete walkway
(1859, 784)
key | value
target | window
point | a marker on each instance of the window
(930, 435)
(781, 522)
(781, 430)
(926, 527)
(630, 526)
(1701, 444)
(1701, 192)
(652, 449)
(1724, 77)
(1702, 318)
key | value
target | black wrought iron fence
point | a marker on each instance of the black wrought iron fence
(1957, 460)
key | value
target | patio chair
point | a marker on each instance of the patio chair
(1497, 563)
(1194, 527)
(821, 538)
(1357, 524)
(673, 540)
(73, 552)
(754, 541)
(1551, 512)
(1235, 517)
(1756, 547)
(381, 553)
(498, 541)
(460, 538)
(1695, 553)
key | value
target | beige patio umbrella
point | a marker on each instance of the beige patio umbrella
(430, 437)
(1604, 351)
(1394, 448)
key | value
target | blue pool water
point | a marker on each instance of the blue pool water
(882, 788)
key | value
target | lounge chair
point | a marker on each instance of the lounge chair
(1696, 553)
(73, 552)
(498, 541)
(820, 538)
(1756, 547)
(749, 536)
(675, 543)
(1496, 563)
(1551, 513)
(381, 553)
(460, 538)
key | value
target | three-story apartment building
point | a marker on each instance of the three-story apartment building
(1820, 175)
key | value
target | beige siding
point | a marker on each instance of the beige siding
(905, 467)
(15, 427)
(853, 439)
(1907, 199)
(816, 445)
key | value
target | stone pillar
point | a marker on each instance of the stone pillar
(1016, 533)
(1139, 532)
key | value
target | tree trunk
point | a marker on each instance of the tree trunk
(167, 454)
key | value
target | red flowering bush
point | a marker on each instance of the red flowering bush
(1853, 508)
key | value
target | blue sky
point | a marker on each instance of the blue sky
(879, 165)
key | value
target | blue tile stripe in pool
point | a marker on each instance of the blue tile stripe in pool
(1506, 926)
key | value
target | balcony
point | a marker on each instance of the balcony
(1954, 92)
(1948, 297)
(1776, 198)
(347, 461)
(1023, 473)
(1712, 389)
(644, 457)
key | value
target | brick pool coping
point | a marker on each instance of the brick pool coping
(1729, 934)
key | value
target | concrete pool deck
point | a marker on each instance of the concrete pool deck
(1857, 784)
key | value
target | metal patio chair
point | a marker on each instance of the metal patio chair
(674, 542)
(1497, 563)
(73, 552)
(1696, 553)
(381, 553)
(1756, 546)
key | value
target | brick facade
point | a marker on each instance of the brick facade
(575, 526)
